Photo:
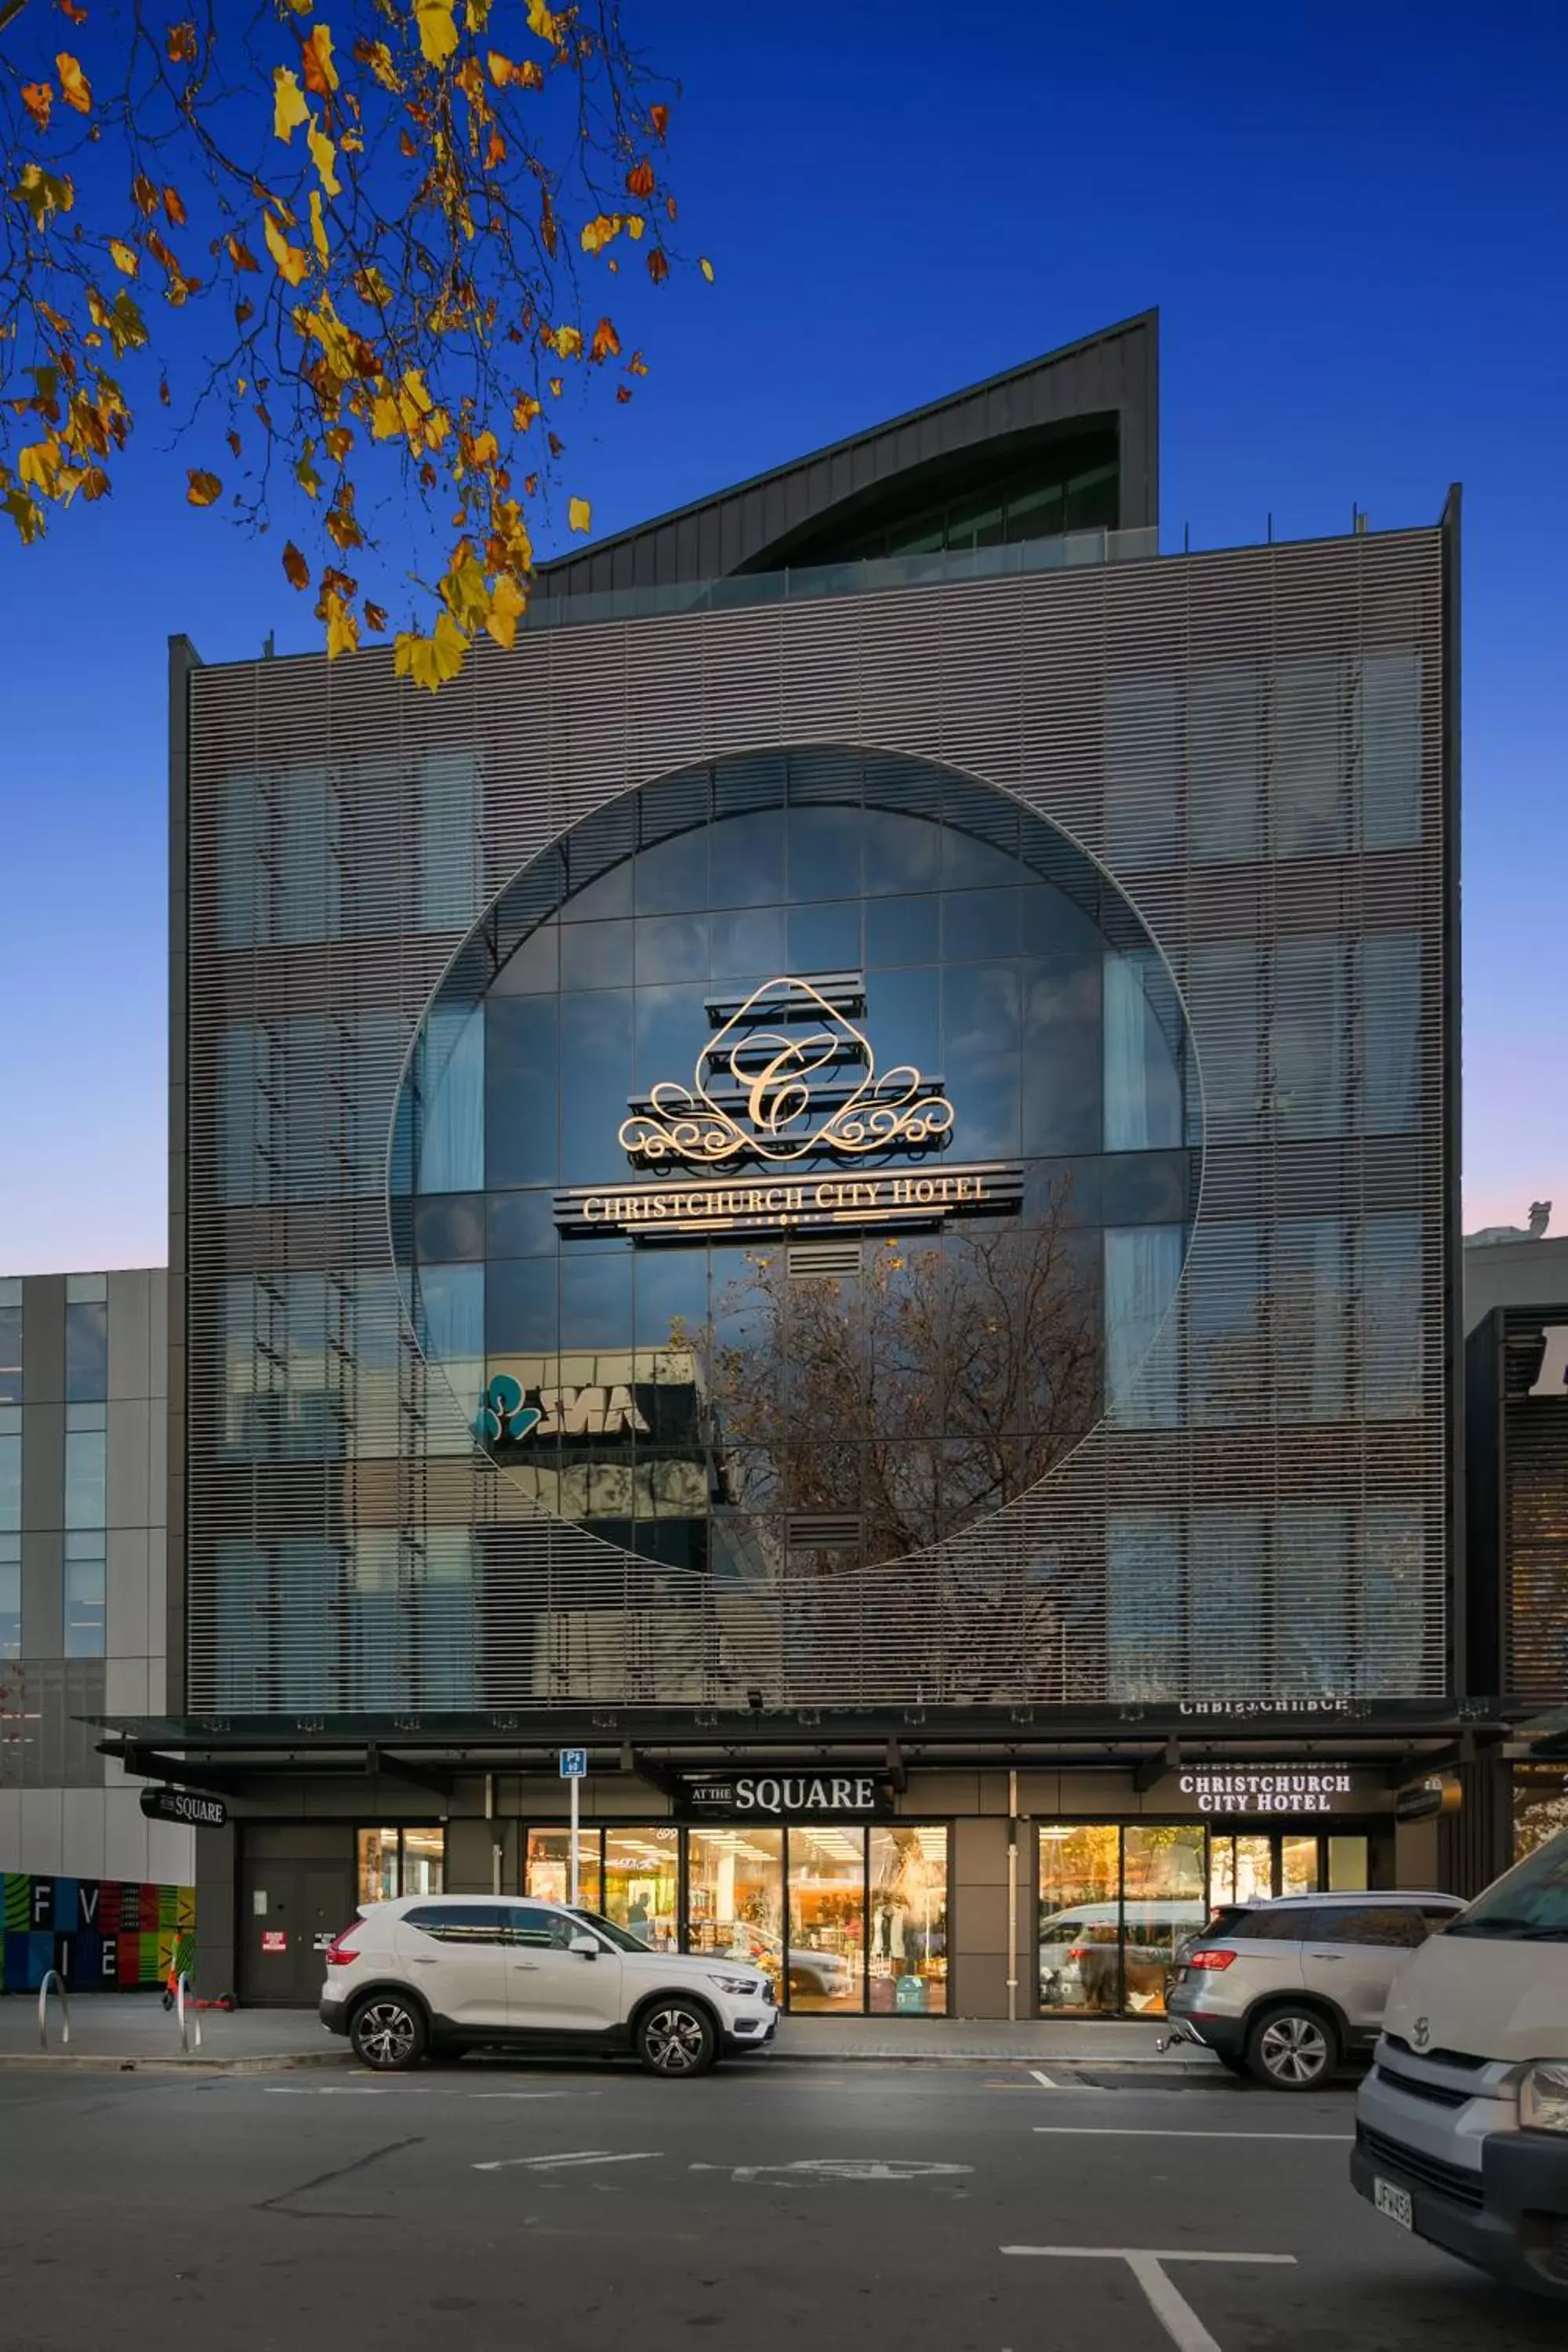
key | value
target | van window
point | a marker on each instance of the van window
(1528, 1905)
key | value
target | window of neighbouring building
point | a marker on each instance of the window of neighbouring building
(87, 1339)
(11, 1339)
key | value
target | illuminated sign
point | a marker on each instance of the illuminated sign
(770, 1094)
(787, 1796)
(675, 1212)
(1226, 1789)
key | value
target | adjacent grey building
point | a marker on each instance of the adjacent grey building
(83, 1572)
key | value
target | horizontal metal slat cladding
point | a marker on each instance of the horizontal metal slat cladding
(1262, 1517)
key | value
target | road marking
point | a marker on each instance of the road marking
(405, 2091)
(840, 2168)
(1130, 2131)
(1175, 2314)
(575, 2156)
(1043, 2081)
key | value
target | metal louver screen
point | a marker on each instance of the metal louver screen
(1252, 741)
(806, 1261)
(823, 1531)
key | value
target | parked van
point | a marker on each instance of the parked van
(1462, 2125)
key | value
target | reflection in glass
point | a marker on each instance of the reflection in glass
(547, 1867)
(734, 1897)
(1079, 1919)
(1241, 1869)
(909, 1920)
(641, 1885)
(827, 1918)
(1163, 1888)
(1298, 1865)
(1348, 1865)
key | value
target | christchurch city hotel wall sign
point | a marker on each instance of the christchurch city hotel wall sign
(787, 1083)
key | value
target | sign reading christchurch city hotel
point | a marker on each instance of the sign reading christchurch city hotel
(786, 1103)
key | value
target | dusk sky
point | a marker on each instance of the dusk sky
(1354, 225)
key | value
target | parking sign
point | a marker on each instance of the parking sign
(574, 1763)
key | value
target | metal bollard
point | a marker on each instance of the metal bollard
(52, 1977)
(181, 1987)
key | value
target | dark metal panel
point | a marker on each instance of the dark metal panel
(1115, 371)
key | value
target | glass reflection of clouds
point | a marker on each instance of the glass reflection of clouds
(929, 1379)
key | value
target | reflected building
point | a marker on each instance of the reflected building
(831, 1181)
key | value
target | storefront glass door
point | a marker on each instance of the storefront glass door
(826, 1934)
(1162, 1902)
(1080, 1887)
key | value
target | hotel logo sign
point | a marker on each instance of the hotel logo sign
(763, 1091)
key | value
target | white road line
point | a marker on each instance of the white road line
(1174, 2314)
(1129, 2131)
(579, 2157)
(1043, 2081)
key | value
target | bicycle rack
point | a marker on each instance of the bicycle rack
(183, 1989)
(52, 1977)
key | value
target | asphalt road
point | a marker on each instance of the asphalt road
(807, 2207)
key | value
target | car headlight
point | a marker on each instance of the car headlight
(744, 1987)
(1544, 2099)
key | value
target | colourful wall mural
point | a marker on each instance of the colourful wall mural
(103, 1935)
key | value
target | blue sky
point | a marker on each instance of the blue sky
(1355, 223)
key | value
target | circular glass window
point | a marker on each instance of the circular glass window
(798, 1159)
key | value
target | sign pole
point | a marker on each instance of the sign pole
(575, 1785)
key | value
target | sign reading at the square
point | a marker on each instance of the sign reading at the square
(823, 1795)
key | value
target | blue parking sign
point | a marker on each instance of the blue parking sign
(574, 1763)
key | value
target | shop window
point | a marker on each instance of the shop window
(1299, 1873)
(393, 1862)
(826, 1931)
(1115, 1904)
(907, 1969)
(734, 1897)
(641, 1875)
(547, 1867)
(1349, 1870)
(1241, 1870)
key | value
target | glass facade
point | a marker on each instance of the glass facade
(1116, 1899)
(844, 1919)
(819, 977)
(10, 1340)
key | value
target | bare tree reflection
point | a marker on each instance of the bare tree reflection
(945, 1379)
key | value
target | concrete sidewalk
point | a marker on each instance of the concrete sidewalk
(135, 2030)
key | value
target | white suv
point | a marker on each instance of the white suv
(452, 1972)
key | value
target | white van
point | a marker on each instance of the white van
(1462, 2125)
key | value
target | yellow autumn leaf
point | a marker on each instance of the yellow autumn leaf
(203, 487)
(292, 264)
(305, 474)
(541, 22)
(319, 229)
(289, 106)
(378, 57)
(430, 661)
(598, 232)
(125, 258)
(502, 71)
(324, 156)
(39, 466)
(485, 450)
(707, 268)
(74, 88)
(437, 33)
(567, 342)
(342, 629)
(580, 515)
(507, 604)
(44, 193)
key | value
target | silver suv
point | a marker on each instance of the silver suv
(443, 1973)
(1285, 1991)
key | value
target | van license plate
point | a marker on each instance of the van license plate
(1395, 2203)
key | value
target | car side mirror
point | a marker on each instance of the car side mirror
(586, 1947)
